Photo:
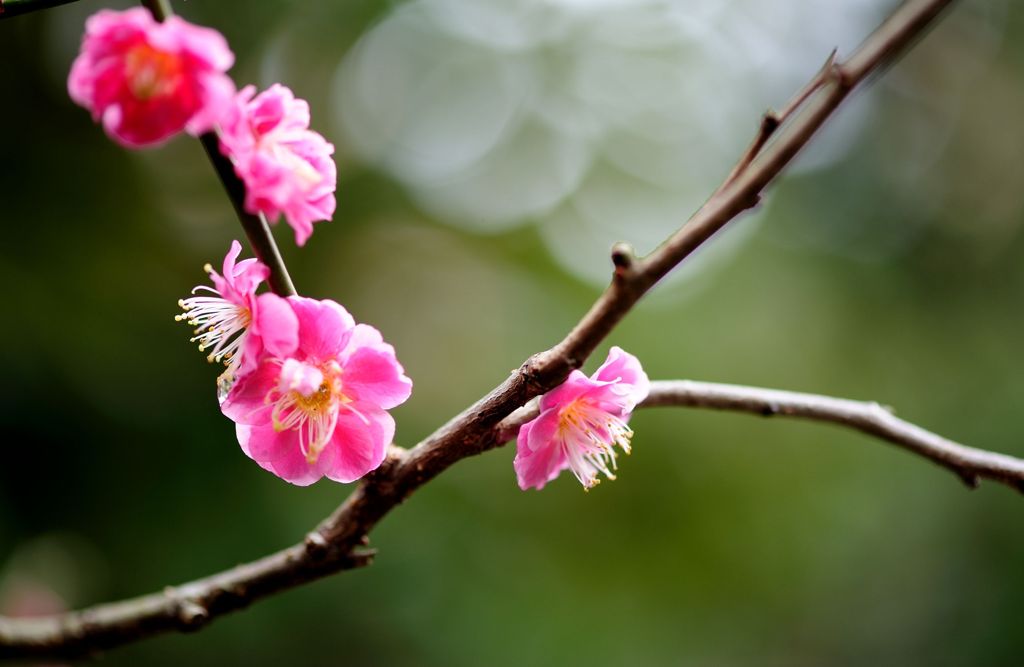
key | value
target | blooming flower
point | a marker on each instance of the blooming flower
(147, 80)
(580, 422)
(286, 167)
(318, 407)
(232, 322)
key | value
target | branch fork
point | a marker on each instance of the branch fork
(339, 542)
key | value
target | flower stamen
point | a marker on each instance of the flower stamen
(587, 435)
(220, 325)
(313, 413)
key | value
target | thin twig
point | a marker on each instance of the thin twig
(968, 463)
(255, 225)
(477, 429)
(12, 8)
(160, 9)
(184, 608)
(190, 606)
(773, 120)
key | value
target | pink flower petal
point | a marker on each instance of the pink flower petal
(543, 430)
(534, 469)
(228, 267)
(294, 468)
(246, 402)
(324, 327)
(219, 94)
(363, 335)
(358, 446)
(574, 385)
(624, 368)
(277, 452)
(373, 374)
(277, 325)
(263, 443)
(205, 45)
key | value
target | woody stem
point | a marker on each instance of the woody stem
(255, 224)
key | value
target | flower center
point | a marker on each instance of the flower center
(308, 399)
(151, 72)
(587, 435)
(318, 401)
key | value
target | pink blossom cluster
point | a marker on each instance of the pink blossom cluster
(146, 81)
(286, 167)
(307, 387)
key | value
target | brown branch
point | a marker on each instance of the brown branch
(185, 608)
(255, 225)
(773, 120)
(968, 463)
(328, 549)
(190, 606)
(12, 8)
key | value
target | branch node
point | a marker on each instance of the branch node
(75, 626)
(624, 258)
(396, 455)
(361, 556)
(835, 71)
(831, 60)
(771, 409)
(969, 478)
(530, 371)
(191, 614)
(316, 544)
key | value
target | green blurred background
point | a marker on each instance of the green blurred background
(489, 153)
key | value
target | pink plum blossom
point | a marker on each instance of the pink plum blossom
(146, 81)
(318, 407)
(580, 421)
(286, 167)
(235, 324)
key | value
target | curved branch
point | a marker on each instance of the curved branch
(328, 549)
(190, 606)
(184, 608)
(257, 231)
(968, 463)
